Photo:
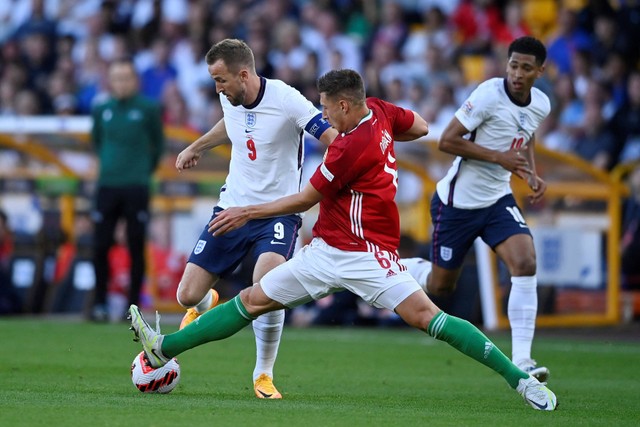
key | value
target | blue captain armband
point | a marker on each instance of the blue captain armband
(317, 126)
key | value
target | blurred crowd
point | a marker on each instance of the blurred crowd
(423, 54)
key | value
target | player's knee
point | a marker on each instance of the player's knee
(440, 288)
(525, 266)
(256, 302)
(188, 296)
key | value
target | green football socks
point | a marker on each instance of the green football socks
(218, 323)
(468, 339)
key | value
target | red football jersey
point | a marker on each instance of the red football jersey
(358, 179)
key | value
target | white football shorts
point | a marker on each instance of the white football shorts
(319, 269)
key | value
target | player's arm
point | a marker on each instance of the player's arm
(189, 157)
(536, 183)
(418, 129)
(328, 136)
(452, 141)
(317, 127)
(233, 218)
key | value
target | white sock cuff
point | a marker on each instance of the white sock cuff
(205, 304)
(524, 282)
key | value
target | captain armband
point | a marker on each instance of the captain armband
(317, 126)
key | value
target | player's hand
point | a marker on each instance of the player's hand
(538, 186)
(187, 159)
(228, 220)
(515, 161)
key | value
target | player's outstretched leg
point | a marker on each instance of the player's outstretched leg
(207, 303)
(218, 323)
(268, 330)
(468, 339)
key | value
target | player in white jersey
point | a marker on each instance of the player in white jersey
(264, 120)
(474, 199)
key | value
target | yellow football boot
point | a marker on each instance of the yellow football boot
(265, 389)
(192, 314)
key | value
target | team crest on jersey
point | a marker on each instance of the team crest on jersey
(446, 253)
(199, 247)
(250, 119)
(523, 119)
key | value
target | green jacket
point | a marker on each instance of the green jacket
(128, 138)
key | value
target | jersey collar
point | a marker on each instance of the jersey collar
(364, 119)
(254, 104)
(512, 99)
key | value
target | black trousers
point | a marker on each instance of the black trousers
(111, 204)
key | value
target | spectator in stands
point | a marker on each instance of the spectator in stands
(592, 141)
(513, 26)
(567, 112)
(393, 28)
(608, 38)
(567, 39)
(434, 30)
(128, 138)
(475, 21)
(615, 74)
(155, 78)
(626, 122)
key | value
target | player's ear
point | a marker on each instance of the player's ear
(344, 106)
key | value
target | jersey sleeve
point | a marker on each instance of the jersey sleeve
(475, 109)
(400, 118)
(301, 111)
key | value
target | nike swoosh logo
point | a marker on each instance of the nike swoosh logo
(267, 395)
(538, 405)
(247, 130)
(273, 242)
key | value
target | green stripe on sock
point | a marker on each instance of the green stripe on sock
(216, 324)
(469, 340)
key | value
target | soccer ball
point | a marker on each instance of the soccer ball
(151, 380)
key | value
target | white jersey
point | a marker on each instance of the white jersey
(497, 122)
(266, 139)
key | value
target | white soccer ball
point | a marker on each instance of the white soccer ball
(151, 380)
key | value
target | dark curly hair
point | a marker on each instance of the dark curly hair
(529, 46)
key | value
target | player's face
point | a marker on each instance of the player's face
(231, 85)
(123, 80)
(522, 72)
(332, 112)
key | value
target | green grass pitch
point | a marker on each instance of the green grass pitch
(56, 372)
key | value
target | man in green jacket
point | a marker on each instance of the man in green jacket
(128, 139)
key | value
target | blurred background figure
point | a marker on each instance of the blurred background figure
(631, 235)
(9, 302)
(128, 139)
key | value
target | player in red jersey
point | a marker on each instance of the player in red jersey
(354, 246)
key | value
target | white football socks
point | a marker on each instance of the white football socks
(267, 329)
(205, 304)
(522, 309)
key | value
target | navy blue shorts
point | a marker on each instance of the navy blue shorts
(454, 229)
(222, 254)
